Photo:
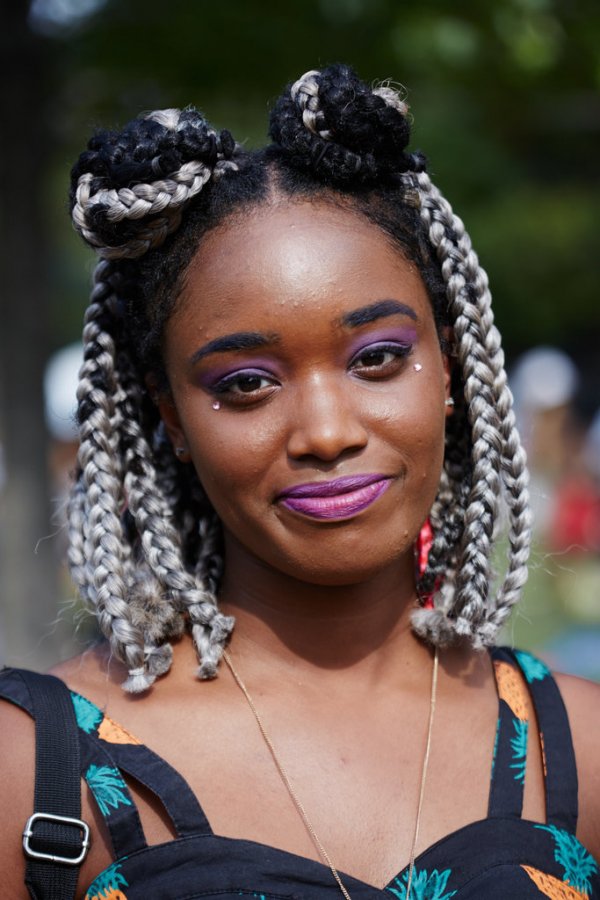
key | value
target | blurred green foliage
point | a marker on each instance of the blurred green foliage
(505, 97)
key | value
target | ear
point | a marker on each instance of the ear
(447, 343)
(162, 399)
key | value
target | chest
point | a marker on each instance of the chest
(356, 774)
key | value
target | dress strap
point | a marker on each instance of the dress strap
(108, 751)
(168, 786)
(104, 780)
(127, 754)
(510, 748)
(558, 755)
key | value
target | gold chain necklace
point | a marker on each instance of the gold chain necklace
(298, 803)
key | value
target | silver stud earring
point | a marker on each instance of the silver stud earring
(216, 404)
(449, 401)
(179, 451)
(417, 367)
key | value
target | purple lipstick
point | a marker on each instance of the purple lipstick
(337, 499)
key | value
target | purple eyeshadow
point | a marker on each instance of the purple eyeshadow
(214, 376)
(405, 337)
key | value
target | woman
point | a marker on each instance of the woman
(291, 378)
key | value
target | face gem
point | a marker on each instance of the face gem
(417, 367)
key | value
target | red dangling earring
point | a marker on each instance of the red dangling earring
(422, 548)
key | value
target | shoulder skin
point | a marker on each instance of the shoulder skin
(582, 700)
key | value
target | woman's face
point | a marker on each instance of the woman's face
(308, 387)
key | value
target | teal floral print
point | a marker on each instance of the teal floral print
(107, 883)
(108, 788)
(87, 714)
(519, 749)
(424, 886)
(495, 751)
(578, 865)
(533, 669)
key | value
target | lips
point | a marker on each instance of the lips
(337, 499)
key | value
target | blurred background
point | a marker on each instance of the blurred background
(506, 103)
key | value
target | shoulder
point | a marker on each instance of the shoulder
(17, 756)
(17, 780)
(582, 701)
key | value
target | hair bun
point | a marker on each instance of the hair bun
(129, 188)
(341, 128)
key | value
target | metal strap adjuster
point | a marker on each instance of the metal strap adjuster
(50, 857)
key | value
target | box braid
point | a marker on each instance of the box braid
(138, 584)
(145, 544)
(498, 460)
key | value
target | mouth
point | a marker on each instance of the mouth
(341, 498)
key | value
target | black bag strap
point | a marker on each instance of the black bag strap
(55, 839)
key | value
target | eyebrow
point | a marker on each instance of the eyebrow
(378, 310)
(241, 340)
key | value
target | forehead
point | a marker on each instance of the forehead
(302, 256)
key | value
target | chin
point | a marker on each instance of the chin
(344, 571)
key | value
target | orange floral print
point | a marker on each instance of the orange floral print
(511, 689)
(115, 734)
(553, 887)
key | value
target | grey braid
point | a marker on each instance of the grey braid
(99, 559)
(160, 203)
(497, 458)
(139, 585)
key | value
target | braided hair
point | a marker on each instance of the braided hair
(145, 543)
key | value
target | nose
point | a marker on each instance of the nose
(325, 422)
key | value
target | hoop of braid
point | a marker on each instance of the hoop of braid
(341, 116)
(484, 459)
(129, 192)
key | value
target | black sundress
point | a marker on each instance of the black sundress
(498, 857)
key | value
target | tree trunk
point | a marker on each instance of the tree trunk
(28, 595)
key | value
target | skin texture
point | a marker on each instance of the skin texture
(319, 413)
(323, 639)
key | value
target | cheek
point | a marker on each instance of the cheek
(413, 411)
(230, 453)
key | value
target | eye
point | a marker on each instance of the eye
(380, 360)
(247, 386)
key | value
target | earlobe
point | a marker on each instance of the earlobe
(448, 364)
(170, 417)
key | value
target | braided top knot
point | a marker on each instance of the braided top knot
(343, 130)
(129, 189)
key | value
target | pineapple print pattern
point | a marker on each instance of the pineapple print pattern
(107, 886)
(511, 690)
(107, 785)
(577, 864)
(553, 887)
(574, 871)
(87, 714)
(424, 886)
(115, 734)
(518, 745)
(533, 669)
(90, 718)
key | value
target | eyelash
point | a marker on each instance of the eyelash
(398, 351)
(224, 387)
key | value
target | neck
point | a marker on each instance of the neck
(321, 627)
